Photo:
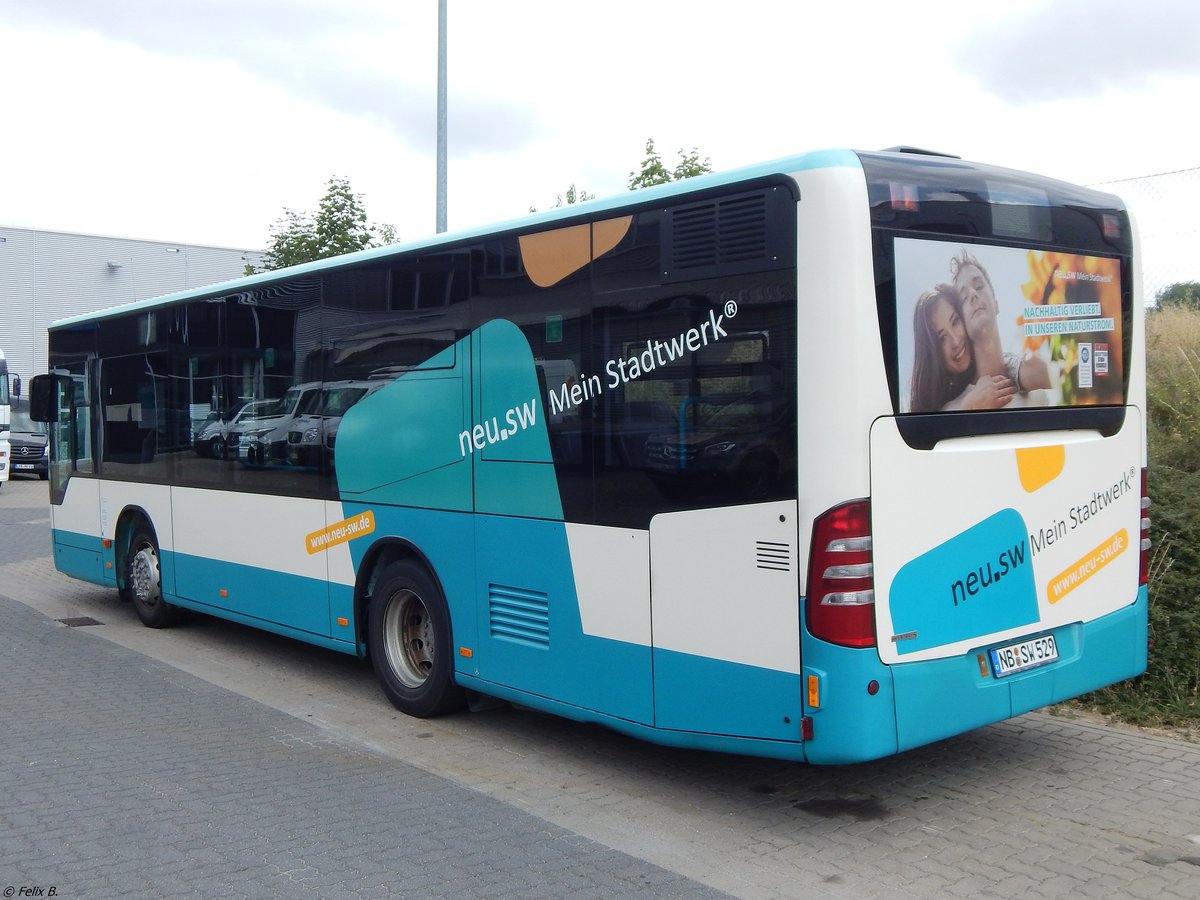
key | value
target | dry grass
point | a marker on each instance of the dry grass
(1170, 332)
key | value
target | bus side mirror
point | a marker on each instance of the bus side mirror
(43, 397)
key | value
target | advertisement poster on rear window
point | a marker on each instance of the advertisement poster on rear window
(982, 327)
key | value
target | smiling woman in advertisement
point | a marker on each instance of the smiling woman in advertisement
(946, 375)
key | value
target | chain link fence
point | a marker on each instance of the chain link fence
(1164, 205)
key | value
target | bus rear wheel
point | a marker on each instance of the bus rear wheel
(409, 636)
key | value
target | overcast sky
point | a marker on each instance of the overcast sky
(200, 120)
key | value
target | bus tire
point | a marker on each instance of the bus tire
(143, 581)
(408, 632)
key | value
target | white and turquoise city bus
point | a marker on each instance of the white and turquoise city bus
(821, 460)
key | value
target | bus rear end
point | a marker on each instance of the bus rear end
(982, 553)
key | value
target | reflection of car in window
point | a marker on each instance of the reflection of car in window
(28, 445)
(309, 433)
(264, 438)
(739, 448)
(213, 435)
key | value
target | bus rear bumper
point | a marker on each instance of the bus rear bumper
(940, 698)
(919, 703)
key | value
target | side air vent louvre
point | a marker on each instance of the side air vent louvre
(728, 235)
(774, 555)
(723, 231)
(519, 615)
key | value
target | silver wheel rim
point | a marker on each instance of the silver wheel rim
(143, 576)
(408, 639)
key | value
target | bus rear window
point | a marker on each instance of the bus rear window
(984, 327)
(1001, 295)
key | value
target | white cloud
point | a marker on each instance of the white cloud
(1073, 49)
(365, 59)
(201, 121)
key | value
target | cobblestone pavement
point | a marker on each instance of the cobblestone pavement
(123, 776)
(174, 760)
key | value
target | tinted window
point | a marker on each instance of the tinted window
(668, 370)
(1001, 295)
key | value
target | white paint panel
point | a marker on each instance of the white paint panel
(250, 529)
(923, 501)
(709, 595)
(153, 499)
(841, 382)
(341, 564)
(612, 579)
(79, 510)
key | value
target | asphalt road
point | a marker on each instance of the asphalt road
(217, 760)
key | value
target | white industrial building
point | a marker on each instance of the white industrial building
(49, 275)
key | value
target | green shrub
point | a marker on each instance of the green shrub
(1168, 692)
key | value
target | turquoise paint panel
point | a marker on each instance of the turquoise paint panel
(414, 442)
(401, 444)
(530, 633)
(447, 541)
(483, 559)
(851, 724)
(446, 488)
(109, 566)
(446, 359)
(78, 540)
(407, 453)
(79, 556)
(977, 583)
(319, 640)
(514, 470)
(510, 398)
(936, 699)
(716, 743)
(940, 698)
(696, 693)
(280, 597)
(341, 606)
(1098, 653)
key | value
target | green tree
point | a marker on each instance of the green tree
(1180, 295)
(574, 195)
(654, 171)
(339, 226)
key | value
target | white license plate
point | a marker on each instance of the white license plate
(22, 465)
(1023, 655)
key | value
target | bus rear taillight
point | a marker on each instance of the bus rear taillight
(841, 580)
(1144, 575)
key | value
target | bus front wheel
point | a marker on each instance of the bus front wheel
(410, 642)
(143, 581)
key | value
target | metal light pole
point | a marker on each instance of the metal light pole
(441, 119)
